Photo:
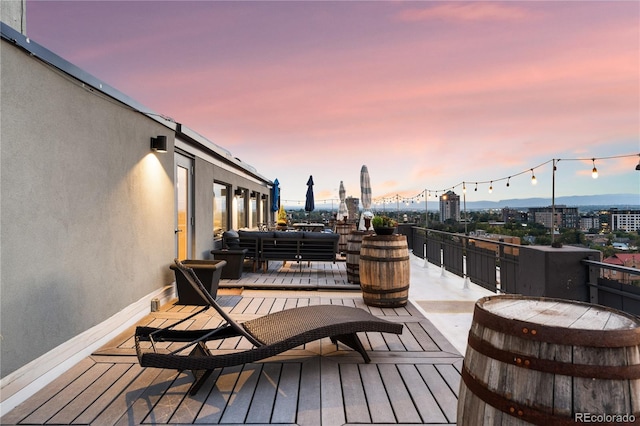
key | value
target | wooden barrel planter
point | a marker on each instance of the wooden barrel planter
(354, 242)
(384, 270)
(550, 361)
(344, 229)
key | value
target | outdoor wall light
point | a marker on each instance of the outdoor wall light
(264, 196)
(159, 144)
(238, 192)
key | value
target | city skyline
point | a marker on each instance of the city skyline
(427, 94)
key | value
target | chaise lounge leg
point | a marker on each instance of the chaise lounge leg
(199, 376)
(352, 341)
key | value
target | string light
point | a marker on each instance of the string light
(428, 192)
(464, 188)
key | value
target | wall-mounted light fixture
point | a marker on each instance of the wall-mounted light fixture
(254, 194)
(159, 144)
(238, 192)
(264, 196)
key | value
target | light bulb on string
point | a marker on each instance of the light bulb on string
(491, 187)
(464, 188)
(508, 179)
(594, 172)
(476, 186)
(533, 178)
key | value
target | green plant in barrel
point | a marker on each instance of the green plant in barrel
(383, 222)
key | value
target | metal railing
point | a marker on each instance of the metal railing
(614, 293)
(495, 265)
(488, 263)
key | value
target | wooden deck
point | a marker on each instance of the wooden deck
(295, 275)
(413, 378)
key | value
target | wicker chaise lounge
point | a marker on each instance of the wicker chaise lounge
(271, 334)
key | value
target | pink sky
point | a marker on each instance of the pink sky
(426, 94)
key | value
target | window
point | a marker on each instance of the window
(220, 210)
(265, 210)
(253, 210)
(241, 211)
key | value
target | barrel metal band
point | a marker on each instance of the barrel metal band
(383, 259)
(557, 335)
(513, 408)
(608, 372)
(371, 290)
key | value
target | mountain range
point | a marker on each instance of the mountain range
(606, 200)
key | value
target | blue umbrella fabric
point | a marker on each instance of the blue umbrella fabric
(309, 204)
(275, 195)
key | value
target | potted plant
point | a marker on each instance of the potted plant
(384, 225)
(282, 218)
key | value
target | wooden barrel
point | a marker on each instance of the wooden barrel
(343, 229)
(384, 270)
(549, 361)
(354, 242)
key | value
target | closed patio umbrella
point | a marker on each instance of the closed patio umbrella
(309, 204)
(342, 210)
(365, 196)
(275, 194)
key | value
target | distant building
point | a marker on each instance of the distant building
(565, 217)
(449, 206)
(627, 220)
(513, 215)
(352, 207)
(589, 222)
(630, 260)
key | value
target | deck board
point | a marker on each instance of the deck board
(412, 378)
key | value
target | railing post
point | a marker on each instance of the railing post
(464, 265)
(426, 255)
(594, 273)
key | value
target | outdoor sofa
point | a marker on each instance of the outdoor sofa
(263, 246)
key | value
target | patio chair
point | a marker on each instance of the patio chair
(270, 335)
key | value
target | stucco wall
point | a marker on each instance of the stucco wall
(86, 208)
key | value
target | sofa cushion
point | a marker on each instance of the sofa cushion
(322, 235)
(255, 234)
(231, 240)
(288, 235)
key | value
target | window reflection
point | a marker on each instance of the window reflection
(220, 210)
(241, 216)
(253, 210)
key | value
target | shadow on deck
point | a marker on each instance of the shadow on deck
(413, 377)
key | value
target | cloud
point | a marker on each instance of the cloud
(464, 12)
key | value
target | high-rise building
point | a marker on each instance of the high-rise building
(625, 220)
(449, 206)
(565, 217)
